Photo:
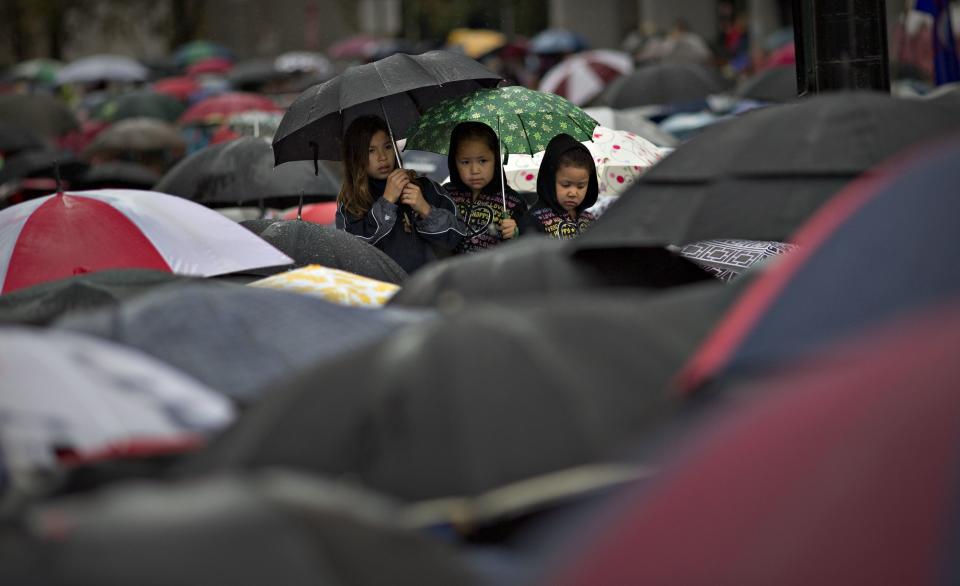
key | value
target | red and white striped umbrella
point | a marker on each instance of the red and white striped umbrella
(62, 235)
(581, 77)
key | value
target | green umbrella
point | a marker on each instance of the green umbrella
(42, 71)
(524, 120)
(140, 104)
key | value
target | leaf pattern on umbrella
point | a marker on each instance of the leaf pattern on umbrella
(524, 119)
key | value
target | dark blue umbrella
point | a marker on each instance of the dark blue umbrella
(556, 40)
(885, 247)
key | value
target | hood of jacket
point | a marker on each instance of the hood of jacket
(546, 177)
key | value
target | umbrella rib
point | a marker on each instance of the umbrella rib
(577, 124)
(525, 135)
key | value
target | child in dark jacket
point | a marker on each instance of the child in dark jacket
(566, 186)
(411, 219)
(474, 186)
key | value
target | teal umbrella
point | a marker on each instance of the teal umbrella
(524, 121)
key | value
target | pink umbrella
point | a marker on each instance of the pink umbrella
(318, 213)
(581, 77)
(356, 47)
(217, 108)
(211, 65)
(180, 88)
(66, 234)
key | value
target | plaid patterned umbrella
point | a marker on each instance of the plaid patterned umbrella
(524, 119)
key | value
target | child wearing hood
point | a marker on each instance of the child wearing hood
(474, 186)
(566, 186)
(411, 219)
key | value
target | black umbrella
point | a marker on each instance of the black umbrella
(251, 74)
(761, 175)
(482, 398)
(40, 112)
(239, 339)
(43, 164)
(15, 138)
(242, 170)
(42, 304)
(118, 175)
(777, 84)
(398, 88)
(543, 266)
(661, 84)
(140, 104)
(243, 531)
(309, 243)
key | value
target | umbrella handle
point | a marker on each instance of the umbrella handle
(503, 188)
(390, 130)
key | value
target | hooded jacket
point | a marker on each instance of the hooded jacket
(410, 245)
(548, 216)
(481, 214)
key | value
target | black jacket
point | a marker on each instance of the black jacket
(548, 216)
(413, 245)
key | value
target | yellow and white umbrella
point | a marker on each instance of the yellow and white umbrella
(333, 285)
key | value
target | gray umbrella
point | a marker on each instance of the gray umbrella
(242, 170)
(661, 84)
(103, 68)
(238, 339)
(777, 84)
(309, 243)
(43, 114)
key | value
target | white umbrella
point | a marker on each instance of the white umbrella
(583, 76)
(58, 236)
(61, 391)
(621, 157)
(102, 68)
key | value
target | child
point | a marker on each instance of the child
(408, 218)
(566, 186)
(475, 187)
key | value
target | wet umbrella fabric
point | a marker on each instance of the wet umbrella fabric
(87, 398)
(16, 137)
(308, 243)
(778, 84)
(839, 470)
(242, 170)
(44, 303)
(631, 120)
(582, 77)
(420, 415)
(118, 175)
(195, 51)
(553, 41)
(42, 113)
(333, 285)
(853, 271)
(235, 339)
(57, 236)
(661, 84)
(140, 104)
(139, 135)
(217, 108)
(401, 86)
(755, 177)
(43, 163)
(96, 68)
(542, 266)
(249, 530)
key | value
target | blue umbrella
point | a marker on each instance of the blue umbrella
(556, 40)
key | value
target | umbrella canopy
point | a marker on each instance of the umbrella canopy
(137, 135)
(254, 72)
(244, 531)
(194, 51)
(72, 396)
(216, 66)
(420, 414)
(358, 47)
(242, 170)
(661, 84)
(621, 157)
(582, 77)
(96, 68)
(216, 108)
(334, 285)
(476, 43)
(140, 104)
(43, 164)
(256, 123)
(543, 266)
(854, 272)
(180, 88)
(632, 120)
(309, 243)
(319, 213)
(796, 486)
(556, 40)
(15, 138)
(777, 84)
(42, 304)
(66, 234)
(42, 113)
(400, 87)
(235, 339)
(755, 177)
(525, 120)
(304, 62)
(41, 71)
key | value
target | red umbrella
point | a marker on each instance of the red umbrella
(841, 471)
(582, 77)
(211, 65)
(66, 234)
(216, 108)
(318, 213)
(360, 47)
(178, 87)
